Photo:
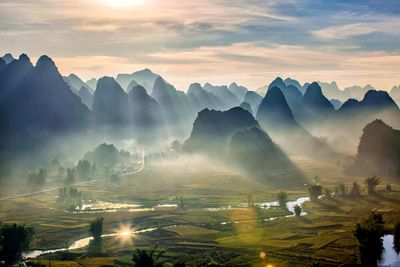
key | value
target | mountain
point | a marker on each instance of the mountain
(8, 58)
(40, 106)
(295, 83)
(12, 74)
(175, 106)
(77, 83)
(291, 92)
(246, 106)
(3, 64)
(274, 110)
(315, 106)
(110, 103)
(132, 84)
(357, 92)
(373, 101)
(92, 83)
(204, 98)
(332, 90)
(253, 99)
(239, 91)
(395, 94)
(144, 111)
(145, 78)
(276, 117)
(106, 156)
(336, 103)
(278, 82)
(378, 151)
(213, 129)
(252, 150)
(228, 98)
(86, 96)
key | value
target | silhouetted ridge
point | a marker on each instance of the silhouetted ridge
(41, 105)
(144, 112)
(378, 151)
(13, 73)
(253, 150)
(8, 58)
(253, 99)
(213, 129)
(86, 96)
(110, 103)
(239, 91)
(274, 109)
(246, 106)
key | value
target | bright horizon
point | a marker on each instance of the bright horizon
(350, 43)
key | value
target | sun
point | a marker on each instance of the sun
(123, 3)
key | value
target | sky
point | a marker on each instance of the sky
(218, 41)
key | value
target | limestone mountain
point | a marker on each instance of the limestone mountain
(41, 105)
(110, 103)
(8, 58)
(86, 96)
(12, 74)
(145, 78)
(239, 91)
(378, 151)
(228, 98)
(213, 129)
(253, 99)
(144, 111)
(315, 106)
(246, 106)
(252, 150)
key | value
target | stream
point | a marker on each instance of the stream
(390, 258)
(113, 207)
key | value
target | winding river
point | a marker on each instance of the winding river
(112, 207)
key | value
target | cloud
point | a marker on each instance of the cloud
(343, 31)
(211, 40)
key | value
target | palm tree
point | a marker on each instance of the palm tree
(141, 258)
(371, 183)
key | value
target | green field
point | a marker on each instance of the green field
(214, 226)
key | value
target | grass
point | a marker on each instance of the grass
(325, 235)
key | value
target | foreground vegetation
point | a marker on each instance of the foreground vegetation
(201, 229)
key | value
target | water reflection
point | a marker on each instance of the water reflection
(390, 258)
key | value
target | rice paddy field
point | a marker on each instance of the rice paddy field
(200, 215)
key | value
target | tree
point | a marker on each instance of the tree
(70, 177)
(141, 258)
(83, 169)
(340, 190)
(355, 190)
(96, 231)
(297, 210)
(14, 239)
(38, 179)
(369, 232)
(396, 237)
(371, 183)
(96, 228)
(61, 172)
(282, 199)
(315, 191)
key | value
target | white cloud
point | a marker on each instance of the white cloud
(343, 31)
